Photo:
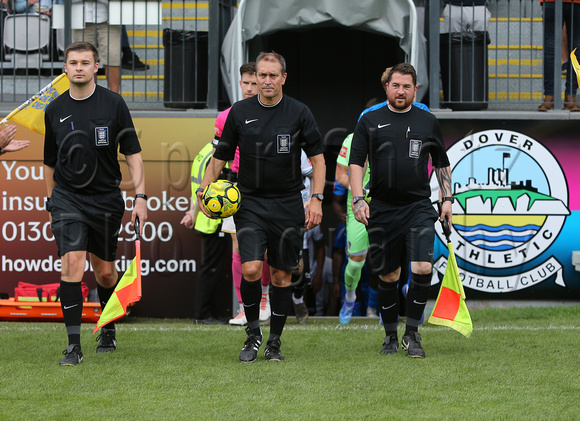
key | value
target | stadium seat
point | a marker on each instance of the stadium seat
(26, 39)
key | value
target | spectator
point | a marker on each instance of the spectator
(130, 60)
(33, 6)
(571, 19)
(465, 16)
(107, 39)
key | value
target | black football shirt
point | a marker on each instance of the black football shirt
(270, 139)
(398, 146)
(82, 138)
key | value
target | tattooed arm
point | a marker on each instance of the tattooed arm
(444, 179)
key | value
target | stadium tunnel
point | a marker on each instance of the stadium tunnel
(335, 54)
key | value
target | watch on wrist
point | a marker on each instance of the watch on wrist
(139, 196)
(199, 190)
(319, 196)
(448, 199)
(357, 199)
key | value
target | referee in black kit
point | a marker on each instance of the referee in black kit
(270, 130)
(398, 140)
(85, 126)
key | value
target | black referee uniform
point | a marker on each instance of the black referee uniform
(401, 217)
(398, 146)
(270, 138)
(271, 215)
(81, 143)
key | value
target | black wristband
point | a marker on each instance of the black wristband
(139, 196)
(357, 199)
(199, 190)
(448, 199)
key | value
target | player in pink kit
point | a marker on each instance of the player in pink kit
(249, 88)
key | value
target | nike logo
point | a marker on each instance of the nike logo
(69, 307)
(63, 119)
(417, 302)
(386, 308)
(249, 305)
(380, 126)
(276, 314)
(251, 121)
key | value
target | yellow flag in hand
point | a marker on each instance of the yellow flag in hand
(127, 291)
(450, 309)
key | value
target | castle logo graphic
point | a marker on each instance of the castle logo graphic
(511, 204)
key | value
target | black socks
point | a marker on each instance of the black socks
(71, 302)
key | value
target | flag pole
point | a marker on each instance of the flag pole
(138, 254)
(450, 308)
(32, 98)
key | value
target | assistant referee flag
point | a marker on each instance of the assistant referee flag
(31, 112)
(450, 309)
(127, 291)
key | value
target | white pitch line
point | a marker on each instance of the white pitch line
(353, 327)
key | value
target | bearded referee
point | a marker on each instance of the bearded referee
(85, 127)
(398, 140)
(270, 130)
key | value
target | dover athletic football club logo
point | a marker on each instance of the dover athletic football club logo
(511, 204)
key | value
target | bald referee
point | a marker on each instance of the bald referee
(270, 129)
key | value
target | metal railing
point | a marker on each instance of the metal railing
(176, 41)
(498, 69)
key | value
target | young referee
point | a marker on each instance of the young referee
(270, 130)
(85, 127)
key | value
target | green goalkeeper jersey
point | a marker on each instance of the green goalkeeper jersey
(342, 159)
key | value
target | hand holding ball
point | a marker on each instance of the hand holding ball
(221, 198)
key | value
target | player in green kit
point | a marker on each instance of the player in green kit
(357, 239)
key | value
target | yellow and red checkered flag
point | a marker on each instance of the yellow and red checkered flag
(127, 291)
(31, 113)
(450, 309)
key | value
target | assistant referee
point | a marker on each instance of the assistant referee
(85, 127)
(270, 130)
(398, 139)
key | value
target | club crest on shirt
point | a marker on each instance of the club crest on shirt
(414, 148)
(101, 136)
(283, 143)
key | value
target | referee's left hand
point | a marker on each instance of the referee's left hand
(313, 214)
(139, 210)
(446, 212)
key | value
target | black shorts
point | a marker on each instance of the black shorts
(394, 229)
(86, 222)
(273, 224)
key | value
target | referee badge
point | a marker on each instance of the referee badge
(101, 136)
(414, 148)
(283, 143)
